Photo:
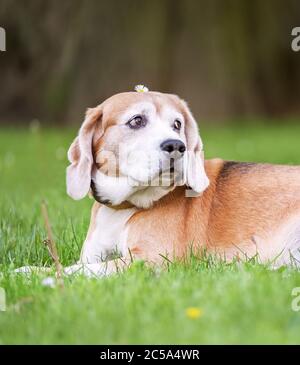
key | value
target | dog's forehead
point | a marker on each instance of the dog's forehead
(120, 103)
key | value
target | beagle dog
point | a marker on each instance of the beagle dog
(141, 157)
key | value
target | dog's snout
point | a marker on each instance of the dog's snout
(173, 145)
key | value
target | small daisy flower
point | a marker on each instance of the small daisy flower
(141, 88)
(49, 281)
(194, 312)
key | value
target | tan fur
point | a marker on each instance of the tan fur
(242, 208)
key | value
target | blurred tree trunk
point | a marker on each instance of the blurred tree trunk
(173, 23)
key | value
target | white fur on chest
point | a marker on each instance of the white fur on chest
(109, 235)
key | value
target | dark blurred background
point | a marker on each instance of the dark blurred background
(228, 59)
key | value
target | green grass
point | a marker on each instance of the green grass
(241, 303)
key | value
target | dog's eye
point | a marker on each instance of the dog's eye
(137, 122)
(177, 125)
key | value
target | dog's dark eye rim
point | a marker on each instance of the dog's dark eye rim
(137, 121)
(177, 124)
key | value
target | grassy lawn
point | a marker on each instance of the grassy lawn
(239, 303)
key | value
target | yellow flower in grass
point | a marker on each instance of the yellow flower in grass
(194, 312)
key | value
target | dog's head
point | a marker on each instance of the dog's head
(146, 138)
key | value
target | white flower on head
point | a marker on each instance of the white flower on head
(49, 281)
(141, 88)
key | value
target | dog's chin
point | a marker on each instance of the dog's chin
(144, 178)
(151, 175)
(141, 193)
(159, 185)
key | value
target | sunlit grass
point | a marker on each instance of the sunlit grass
(200, 301)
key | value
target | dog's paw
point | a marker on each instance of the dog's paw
(96, 270)
(32, 270)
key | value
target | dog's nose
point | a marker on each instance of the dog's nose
(172, 145)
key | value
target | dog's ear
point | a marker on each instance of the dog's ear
(195, 175)
(81, 156)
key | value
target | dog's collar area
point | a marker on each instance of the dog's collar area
(123, 205)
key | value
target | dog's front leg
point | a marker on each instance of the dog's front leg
(96, 270)
(106, 235)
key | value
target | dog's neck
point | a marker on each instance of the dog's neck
(147, 197)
